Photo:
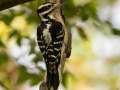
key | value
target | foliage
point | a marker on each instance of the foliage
(19, 23)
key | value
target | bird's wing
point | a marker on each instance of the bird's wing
(40, 40)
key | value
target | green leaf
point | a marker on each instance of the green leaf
(38, 57)
(35, 79)
(65, 79)
(18, 40)
(7, 18)
(88, 10)
(33, 46)
(33, 18)
(116, 31)
(82, 34)
(23, 75)
(2, 44)
(3, 85)
(13, 33)
(69, 8)
(3, 57)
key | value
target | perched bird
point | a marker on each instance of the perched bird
(50, 38)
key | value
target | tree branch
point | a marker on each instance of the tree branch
(5, 4)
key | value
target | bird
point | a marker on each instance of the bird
(50, 39)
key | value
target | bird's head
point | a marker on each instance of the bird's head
(47, 8)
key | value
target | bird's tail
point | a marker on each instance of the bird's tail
(53, 80)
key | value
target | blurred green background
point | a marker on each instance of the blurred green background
(95, 60)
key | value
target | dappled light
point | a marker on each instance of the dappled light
(94, 63)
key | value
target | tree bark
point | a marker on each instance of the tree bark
(59, 16)
(5, 4)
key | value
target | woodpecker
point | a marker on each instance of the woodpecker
(50, 39)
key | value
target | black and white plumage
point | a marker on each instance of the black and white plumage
(50, 38)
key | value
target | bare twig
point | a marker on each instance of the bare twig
(5, 4)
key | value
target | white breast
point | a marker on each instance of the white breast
(47, 35)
